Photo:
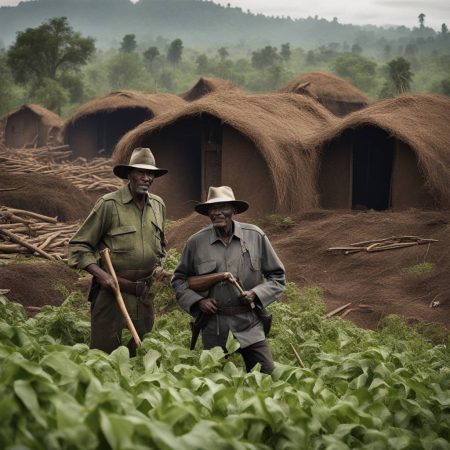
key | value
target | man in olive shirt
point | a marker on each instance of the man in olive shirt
(244, 250)
(130, 223)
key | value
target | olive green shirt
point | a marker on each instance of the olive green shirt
(134, 236)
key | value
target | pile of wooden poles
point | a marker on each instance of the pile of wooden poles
(88, 175)
(28, 233)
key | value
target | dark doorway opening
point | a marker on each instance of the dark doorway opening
(373, 155)
(113, 125)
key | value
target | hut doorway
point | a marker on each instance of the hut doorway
(373, 156)
(366, 168)
(97, 134)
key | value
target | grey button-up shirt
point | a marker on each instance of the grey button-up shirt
(251, 259)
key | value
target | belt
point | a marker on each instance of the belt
(233, 310)
(134, 281)
(134, 275)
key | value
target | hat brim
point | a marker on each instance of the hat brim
(123, 170)
(239, 205)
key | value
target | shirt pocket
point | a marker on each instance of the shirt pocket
(122, 238)
(158, 234)
(205, 267)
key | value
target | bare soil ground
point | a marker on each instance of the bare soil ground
(45, 194)
(34, 283)
(376, 284)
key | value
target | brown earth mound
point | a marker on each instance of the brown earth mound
(45, 194)
(36, 283)
(377, 284)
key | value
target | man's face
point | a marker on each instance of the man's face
(221, 214)
(140, 181)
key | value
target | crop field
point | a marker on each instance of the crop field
(384, 389)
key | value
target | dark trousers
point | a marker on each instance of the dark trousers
(258, 353)
(107, 323)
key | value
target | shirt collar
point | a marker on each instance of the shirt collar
(126, 195)
(237, 231)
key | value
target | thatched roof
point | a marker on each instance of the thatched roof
(277, 124)
(319, 85)
(419, 120)
(49, 118)
(205, 86)
(154, 103)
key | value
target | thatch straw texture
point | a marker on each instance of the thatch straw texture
(419, 120)
(154, 103)
(277, 125)
(48, 118)
(208, 85)
(330, 90)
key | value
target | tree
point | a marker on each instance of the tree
(444, 29)
(358, 70)
(128, 44)
(8, 90)
(150, 56)
(421, 18)
(47, 59)
(356, 49)
(223, 53)
(202, 64)
(286, 51)
(175, 51)
(124, 70)
(265, 57)
(400, 75)
(48, 51)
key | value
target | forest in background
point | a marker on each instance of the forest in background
(380, 62)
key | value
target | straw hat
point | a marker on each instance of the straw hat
(141, 158)
(221, 194)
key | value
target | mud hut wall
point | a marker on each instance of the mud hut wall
(336, 174)
(246, 171)
(22, 129)
(82, 138)
(178, 149)
(408, 187)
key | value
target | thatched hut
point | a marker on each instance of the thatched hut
(253, 143)
(94, 129)
(208, 85)
(336, 94)
(393, 154)
(31, 125)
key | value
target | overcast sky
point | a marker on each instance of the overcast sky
(376, 12)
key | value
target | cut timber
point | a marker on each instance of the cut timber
(336, 311)
(13, 237)
(297, 356)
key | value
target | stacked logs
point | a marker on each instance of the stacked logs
(28, 233)
(93, 175)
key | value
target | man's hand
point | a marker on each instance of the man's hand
(208, 306)
(248, 297)
(105, 280)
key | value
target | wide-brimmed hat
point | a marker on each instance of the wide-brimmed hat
(221, 194)
(141, 158)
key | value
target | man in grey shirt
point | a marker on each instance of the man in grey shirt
(245, 251)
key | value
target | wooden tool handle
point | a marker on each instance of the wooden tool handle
(119, 298)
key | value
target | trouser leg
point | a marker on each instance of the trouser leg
(143, 323)
(106, 323)
(258, 353)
